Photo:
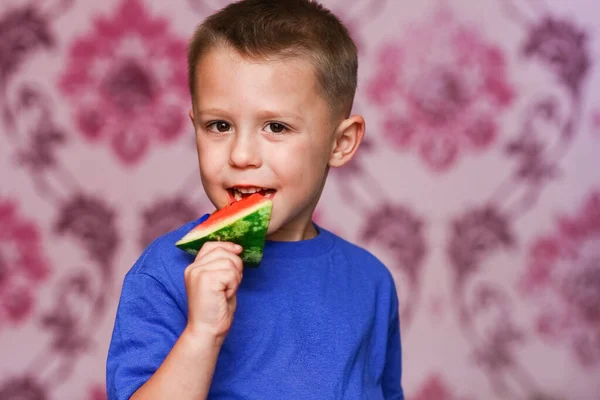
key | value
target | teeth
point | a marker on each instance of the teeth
(249, 190)
(238, 193)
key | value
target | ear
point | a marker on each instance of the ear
(191, 113)
(348, 137)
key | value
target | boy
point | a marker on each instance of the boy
(272, 84)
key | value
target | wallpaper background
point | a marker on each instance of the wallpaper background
(478, 184)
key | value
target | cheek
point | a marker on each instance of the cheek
(210, 160)
(300, 163)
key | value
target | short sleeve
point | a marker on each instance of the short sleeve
(392, 374)
(148, 323)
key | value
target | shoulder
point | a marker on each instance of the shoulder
(374, 276)
(361, 259)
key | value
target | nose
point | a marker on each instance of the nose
(245, 152)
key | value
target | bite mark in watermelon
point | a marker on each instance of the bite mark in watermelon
(244, 222)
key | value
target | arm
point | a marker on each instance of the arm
(186, 372)
(392, 374)
(156, 352)
(149, 328)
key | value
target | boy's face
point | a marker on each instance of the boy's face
(263, 125)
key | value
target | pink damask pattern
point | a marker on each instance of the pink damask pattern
(560, 45)
(27, 388)
(165, 215)
(23, 388)
(23, 265)
(97, 392)
(595, 123)
(549, 123)
(442, 89)
(23, 31)
(435, 387)
(563, 279)
(400, 231)
(126, 80)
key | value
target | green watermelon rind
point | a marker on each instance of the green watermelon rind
(249, 232)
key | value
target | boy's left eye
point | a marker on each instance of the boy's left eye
(275, 127)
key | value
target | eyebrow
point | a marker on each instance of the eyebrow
(264, 114)
(211, 111)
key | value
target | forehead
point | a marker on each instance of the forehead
(223, 75)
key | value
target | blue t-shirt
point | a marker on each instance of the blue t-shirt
(318, 319)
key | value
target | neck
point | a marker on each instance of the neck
(295, 233)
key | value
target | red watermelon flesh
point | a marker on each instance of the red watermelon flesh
(244, 222)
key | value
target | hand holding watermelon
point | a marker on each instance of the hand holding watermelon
(211, 282)
(244, 222)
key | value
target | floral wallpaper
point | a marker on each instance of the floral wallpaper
(478, 184)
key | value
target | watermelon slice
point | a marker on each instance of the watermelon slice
(244, 222)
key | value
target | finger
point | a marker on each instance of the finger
(218, 253)
(226, 280)
(211, 270)
(223, 264)
(208, 246)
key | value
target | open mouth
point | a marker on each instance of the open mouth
(239, 193)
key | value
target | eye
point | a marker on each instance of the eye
(275, 127)
(219, 127)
